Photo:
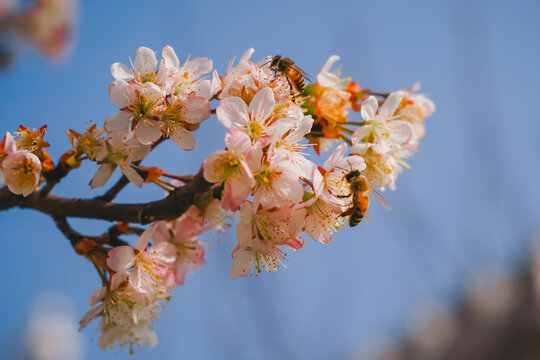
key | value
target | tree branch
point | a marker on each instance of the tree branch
(169, 208)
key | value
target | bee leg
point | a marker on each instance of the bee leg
(343, 196)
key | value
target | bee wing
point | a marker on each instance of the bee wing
(367, 215)
(302, 72)
(379, 198)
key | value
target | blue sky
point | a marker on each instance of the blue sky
(471, 199)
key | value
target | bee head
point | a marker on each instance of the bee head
(275, 62)
(352, 175)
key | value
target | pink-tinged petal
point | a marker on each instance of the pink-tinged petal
(121, 72)
(121, 258)
(391, 103)
(369, 108)
(183, 138)
(233, 112)
(360, 133)
(318, 182)
(304, 166)
(91, 315)
(213, 167)
(325, 78)
(145, 62)
(237, 141)
(198, 67)
(262, 105)
(117, 279)
(293, 244)
(10, 145)
(152, 91)
(360, 148)
(170, 59)
(197, 109)
(119, 122)
(102, 175)
(246, 55)
(132, 175)
(138, 151)
(145, 238)
(400, 131)
(98, 295)
(215, 84)
(242, 261)
(121, 93)
(336, 155)
(148, 132)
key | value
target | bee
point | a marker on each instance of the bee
(294, 75)
(360, 190)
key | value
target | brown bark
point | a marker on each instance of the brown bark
(169, 208)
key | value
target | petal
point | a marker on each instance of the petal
(183, 138)
(152, 91)
(169, 57)
(360, 133)
(145, 238)
(197, 67)
(233, 112)
(262, 105)
(121, 93)
(98, 295)
(336, 155)
(391, 103)
(102, 175)
(132, 175)
(121, 258)
(197, 109)
(148, 132)
(400, 131)
(121, 72)
(369, 108)
(119, 122)
(145, 63)
(241, 263)
(213, 167)
(325, 78)
(10, 145)
(237, 141)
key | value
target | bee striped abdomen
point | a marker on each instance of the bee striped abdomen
(298, 81)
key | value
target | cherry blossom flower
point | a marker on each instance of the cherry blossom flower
(382, 129)
(182, 233)
(254, 119)
(287, 139)
(140, 105)
(230, 166)
(185, 112)
(381, 170)
(89, 142)
(260, 235)
(119, 150)
(414, 109)
(276, 180)
(150, 266)
(126, 314)
(21, 169)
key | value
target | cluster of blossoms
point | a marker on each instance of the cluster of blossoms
(142, 275)
(46, 24)
(264, 174)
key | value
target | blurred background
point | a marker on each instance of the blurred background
(447, 274)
